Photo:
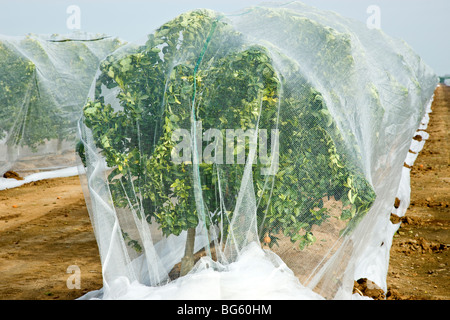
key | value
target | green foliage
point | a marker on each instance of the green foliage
(16, 77)
(186, 73)
(43, 86)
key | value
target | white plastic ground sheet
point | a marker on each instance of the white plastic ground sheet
(61, 173)
(257, 274)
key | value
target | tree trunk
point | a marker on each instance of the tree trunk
(59, 146)
(11, 153)
(187, 263)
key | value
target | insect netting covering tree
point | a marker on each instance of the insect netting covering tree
(44, 82)
(220, 132)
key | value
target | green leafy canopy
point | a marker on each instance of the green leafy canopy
(196, 67)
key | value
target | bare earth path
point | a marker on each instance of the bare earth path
(419, 266)
(47, 232)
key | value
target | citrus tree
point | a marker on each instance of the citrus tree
(44, 82)
(194, 69)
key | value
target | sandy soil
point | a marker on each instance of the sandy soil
(419, 266)
(45, 229)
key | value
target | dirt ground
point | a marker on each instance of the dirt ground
(45, 230)
(419, 266)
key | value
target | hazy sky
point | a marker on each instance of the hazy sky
(423, 24)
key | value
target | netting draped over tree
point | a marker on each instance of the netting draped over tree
(269, 142)
(44, 82)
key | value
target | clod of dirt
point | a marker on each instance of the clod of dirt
(12, 175)
(393, 294)
(413, 221)
(397, 203)
(405, 220)
(396, 219)
(368, 288)
(422, 246)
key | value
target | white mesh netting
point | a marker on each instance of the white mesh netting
(270, 142)
(44, 81)
(255, 155)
